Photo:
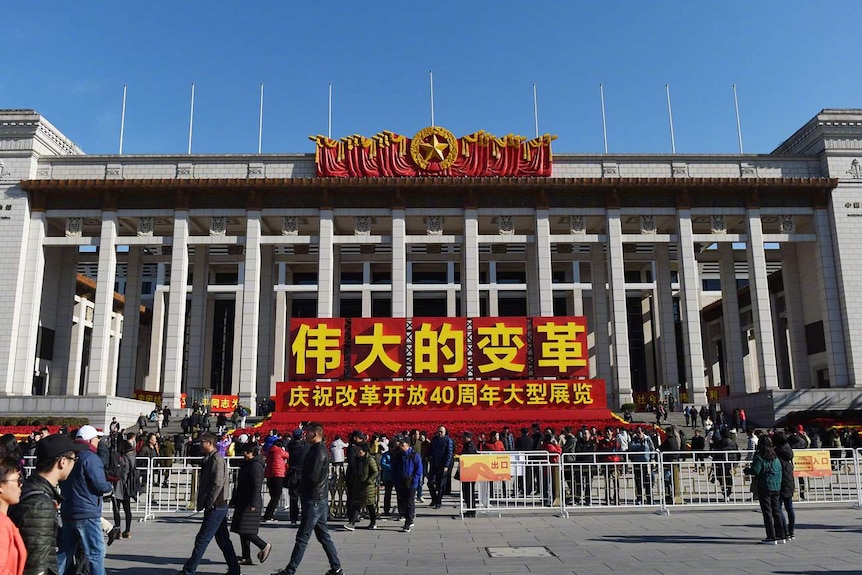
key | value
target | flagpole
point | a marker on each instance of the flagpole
(431, 76)
(123, 120)
(738, 124)
(670, 117)
(604, 121)
(260, 122)
(191, 117)
(329, 132)
(536, 109)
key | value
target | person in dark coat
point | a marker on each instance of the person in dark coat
(127, 488)
(364, 487)
(35, 515)
(788, 483)
(247, 504)
(468, 487)
(296, 449)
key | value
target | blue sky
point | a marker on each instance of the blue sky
(789, 59)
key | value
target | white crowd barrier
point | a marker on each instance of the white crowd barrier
(564, 484)
(585, 481)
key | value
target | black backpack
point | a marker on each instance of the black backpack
(114, 470)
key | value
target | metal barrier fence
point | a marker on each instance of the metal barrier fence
(669, 479)
(562, 484)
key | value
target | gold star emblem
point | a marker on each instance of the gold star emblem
(433, 148)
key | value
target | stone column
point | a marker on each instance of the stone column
(198, 325)
(76, 349)
(280, 334)
(831, 304)
(619, 319)
(399, 264)
(326, 266)
(666, 332)
(153, 380)
(470, 263)
(732, 340)
(690, 308)
(265, 324)
(800, 369)
(64, 320)
(114, 359)
(250, 318)
(602, 350)
(100, 343)
(543, 260)
(176, 320)
(760, 311)
(131, 324)
(25, 333)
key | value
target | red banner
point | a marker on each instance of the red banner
(378, 347)
(216, 403)
(560, 346)
(436, 347)
(499, 346)
(407, 397)
(316, 348)
(439, 345)
(433, 151)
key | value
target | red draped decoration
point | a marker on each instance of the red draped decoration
(388, 155)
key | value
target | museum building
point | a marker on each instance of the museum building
(166, 277)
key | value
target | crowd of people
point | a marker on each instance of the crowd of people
(76, 471)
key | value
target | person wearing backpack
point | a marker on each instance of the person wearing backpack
(127, 485)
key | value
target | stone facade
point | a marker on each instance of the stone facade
(260, 239)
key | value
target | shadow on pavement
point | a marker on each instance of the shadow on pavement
(676, 539)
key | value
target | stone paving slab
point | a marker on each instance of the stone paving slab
(688, 542)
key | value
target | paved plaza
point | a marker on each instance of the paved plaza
(689, 542)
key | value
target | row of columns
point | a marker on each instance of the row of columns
(608, 270)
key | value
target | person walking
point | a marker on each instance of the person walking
(364, 488)
(35, 515)
(468, 487)
(314, 493)
(212, 499)
(247, 503)
(788, 483)
(296, 449)
(407, 474)
(275, 471)
(766, 469)
(81, 510)
(127, 487)
(440, 460)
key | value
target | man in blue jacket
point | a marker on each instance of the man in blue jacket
(407, 475)
(82, 506)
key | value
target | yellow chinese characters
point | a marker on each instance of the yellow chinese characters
(428, 345)
(320, 343)
(500, 344)
(583, 394)
(378, 342)
(561, 350)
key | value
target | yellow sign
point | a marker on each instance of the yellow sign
(811, 463)
(486, 467)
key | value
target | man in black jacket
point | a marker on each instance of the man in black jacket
(296, 449)
(36, 512)
(314, 492)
